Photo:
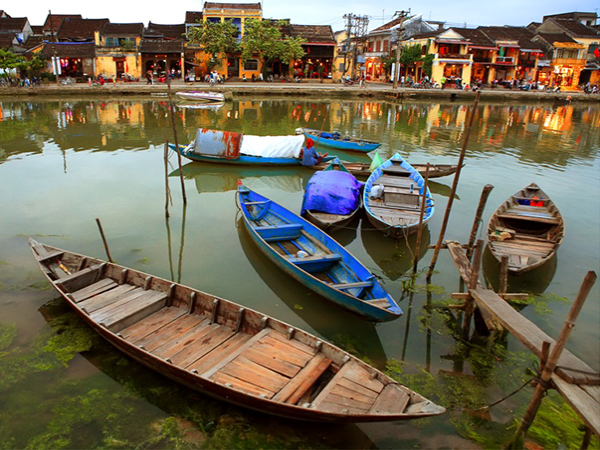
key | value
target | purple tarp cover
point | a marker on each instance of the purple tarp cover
(333, 192)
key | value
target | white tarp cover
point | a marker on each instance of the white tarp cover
(272, 146)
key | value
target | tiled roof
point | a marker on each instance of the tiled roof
(6, 41)
(33, 42)
(522, 35)
(123, 29)
(37, 29)
(313, 33)
(576, 29)
(80, 29)
(167, 31)
(12, 25)
(556, 37)
(53, 21)
(3, 13)
(161, 46)
(193, 16)
(69, 50)
(244, 6)
(389, 25)
(432, 34)
(475, 37)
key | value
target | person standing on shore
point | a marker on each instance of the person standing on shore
(443, 81)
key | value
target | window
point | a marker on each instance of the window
(386, 45)
(341, 67)
(112, 42)
(377, 45)
(251, 64)
(213, 19)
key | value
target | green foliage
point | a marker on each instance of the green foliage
(263, 39)
(218, 39)
(428, 64)
(72, 336)
(410, 55)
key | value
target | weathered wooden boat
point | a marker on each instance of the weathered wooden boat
(227, 147)
(528, 228)
(314, 258)
(392, 198)
(223, 349)
(201, 96)
(361, 170)
(337, 141)
(332, 197)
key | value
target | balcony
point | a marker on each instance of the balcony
(569, 62)
(505, 60)
(482, 59)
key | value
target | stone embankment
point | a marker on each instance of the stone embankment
(315, 90)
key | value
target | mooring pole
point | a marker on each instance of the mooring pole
(544, 381)
(470, 303)
(503, 288)
(423, 206)
(172, 113)
(461, 158)
(167, 193)
(104, 239)
(485, 193)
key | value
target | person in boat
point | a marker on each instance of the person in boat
(310, 156)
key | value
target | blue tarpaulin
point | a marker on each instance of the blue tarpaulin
(333, 192)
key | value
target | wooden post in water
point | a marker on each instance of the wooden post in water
(420, 229)
(167, 193)
(485, 193)
(104, 239)
(461, 158)
(503, 288)
(470, 303)
(172, 113)
(544, 379)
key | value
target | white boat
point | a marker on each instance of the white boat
(202, 96)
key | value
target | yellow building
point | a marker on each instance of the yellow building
(117, 52)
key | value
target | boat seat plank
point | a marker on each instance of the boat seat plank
(282, 232)
(391, 180)
(292, 342)
(80, 279)
(219, 353)
(360, 375)
(106, 284)
(241, 385)
(271, 362)
(168, 332)
(196, 350)
(181, 341)
(151, 323)
(314, 259)
(108, 310)
(530, 217)
(135, 311)
(250, 372)
(356, 393)
(50, 255)
(347, 402)
(380, 302)
(392, 400)
(100, 301)
(297, 386)
(356, 284)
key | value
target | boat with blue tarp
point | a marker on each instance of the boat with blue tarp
(314, 258)
(392, 198)
(332, 197)
(228, 147)
(338, 141)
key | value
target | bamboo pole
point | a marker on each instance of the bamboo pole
(476, 264)
(420, 229)
(104, 239)
(172, 113)
(485, 193)
(454, 186)
(544, 379)
(503, 288)
(167, 193)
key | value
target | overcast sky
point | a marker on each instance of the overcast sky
(311, 12)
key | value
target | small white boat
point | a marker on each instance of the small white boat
(202, 96)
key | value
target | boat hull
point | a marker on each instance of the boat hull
(193, 337)
(351, 144)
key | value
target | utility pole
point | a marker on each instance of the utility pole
(356, 30)
(403, 15)
(55, 61)
(348, 17)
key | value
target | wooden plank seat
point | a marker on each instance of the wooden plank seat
(50, 255)
(81, 278)
(106, 284)
(104, 299)
(397, 170)
(316, 263)
(352, 285)
(397, 181)
(131, 311)
(283, 232)
(380, 302)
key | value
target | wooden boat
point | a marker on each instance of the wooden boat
(337, 141)
(224, 349)
(528, 228)
(227, 147)
(392, 198)
(314, 258)
(318, 206)
(361, 170)
(202, 96)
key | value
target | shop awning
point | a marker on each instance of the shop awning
(192, 64)
(454, 61)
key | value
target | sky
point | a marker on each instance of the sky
(471, 13)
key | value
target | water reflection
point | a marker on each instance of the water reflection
(334, 323)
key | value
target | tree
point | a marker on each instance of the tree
(218, 39)
(10, 63)
(263, 39)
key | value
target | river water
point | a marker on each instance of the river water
(65, 162)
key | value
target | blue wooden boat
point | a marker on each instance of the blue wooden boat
(392, 198)
(338, 141)
(313, 258)
(332, 197)
(227, 147)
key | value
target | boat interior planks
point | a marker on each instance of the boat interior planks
(224, 349)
